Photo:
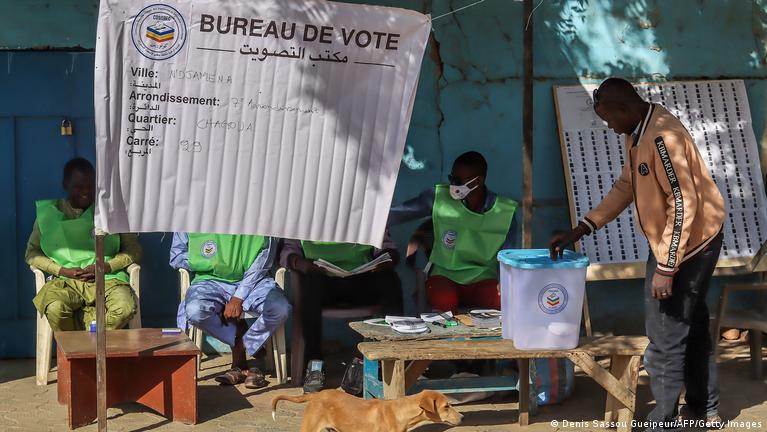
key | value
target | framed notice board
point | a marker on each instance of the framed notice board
(718, 117)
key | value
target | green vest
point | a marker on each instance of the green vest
(224, 257)
(70, 243)
(348, 256)
(466, 243)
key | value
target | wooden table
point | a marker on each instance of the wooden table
(403, 359)
(143, 365)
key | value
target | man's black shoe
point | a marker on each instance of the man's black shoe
(314, 380)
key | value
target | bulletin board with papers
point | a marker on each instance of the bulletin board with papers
(718, 116)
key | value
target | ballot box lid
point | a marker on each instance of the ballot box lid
(532, 259)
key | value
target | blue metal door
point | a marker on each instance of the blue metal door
(39, 90)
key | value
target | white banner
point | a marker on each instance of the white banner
(272, 117)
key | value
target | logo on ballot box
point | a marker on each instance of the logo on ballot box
(209, 249)
(158, 32)
(552, 299)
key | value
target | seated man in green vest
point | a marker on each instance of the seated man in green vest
(380, 286)
(231, 276)
(471, 224)
(62, 244)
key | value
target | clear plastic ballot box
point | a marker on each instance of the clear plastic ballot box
(542, 299)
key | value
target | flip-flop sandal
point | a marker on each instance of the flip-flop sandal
(255, 379)
(233, 376)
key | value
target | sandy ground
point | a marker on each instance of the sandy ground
(27, 407)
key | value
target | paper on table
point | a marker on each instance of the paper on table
(486, 318)
(390, 319)
(436, 316)
(402, 324)
(377, 322)
(339, 272)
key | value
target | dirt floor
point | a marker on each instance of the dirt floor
(27, 407)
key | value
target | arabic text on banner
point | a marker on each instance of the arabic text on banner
(265, 117)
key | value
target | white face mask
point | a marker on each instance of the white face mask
(459, 192)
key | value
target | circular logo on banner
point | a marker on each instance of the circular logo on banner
(158, 32)
(209, 249)
(552, 299)
(448, 239)
(644, 169)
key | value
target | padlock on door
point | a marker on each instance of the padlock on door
(66, 127)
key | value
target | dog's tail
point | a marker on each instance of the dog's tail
(296, 399)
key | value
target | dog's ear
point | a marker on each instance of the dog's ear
(428, 403)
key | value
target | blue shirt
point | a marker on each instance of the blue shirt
(421, 207)
(256, 281)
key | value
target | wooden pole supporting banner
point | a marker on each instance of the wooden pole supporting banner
(527, 128)
(101, 336)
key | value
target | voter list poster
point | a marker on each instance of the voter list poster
(271, 117)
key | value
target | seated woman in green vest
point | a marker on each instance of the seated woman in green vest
(381, 286)
(62, 245)
(471, 224)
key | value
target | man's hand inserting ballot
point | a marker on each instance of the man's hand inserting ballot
(559, 242)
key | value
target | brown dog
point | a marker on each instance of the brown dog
(341, 412)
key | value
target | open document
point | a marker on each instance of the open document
(334, 270)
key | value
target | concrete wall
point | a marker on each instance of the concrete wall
(469, 97)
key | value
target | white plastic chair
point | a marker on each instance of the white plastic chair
(45, 333)
(275, 346)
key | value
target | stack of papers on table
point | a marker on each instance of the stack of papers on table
(407, 325)
(486, 318)
(334, 270)
(436, 316)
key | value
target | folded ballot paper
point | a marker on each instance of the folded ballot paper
(407, 325)
(486, 318)
(334, 270)
(436, 316)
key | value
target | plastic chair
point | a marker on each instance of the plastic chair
(754, 319)
(275, 346)
(298, 345)
(45, 333)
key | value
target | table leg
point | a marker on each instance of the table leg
(393, 378)
(184, 383)
(414, 370)
(82, 397)
(755, 344)
(524, 391)
(373, 387)
(167, 385)
(626, 370)
(63, 378)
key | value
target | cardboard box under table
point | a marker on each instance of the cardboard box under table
(402, 358)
